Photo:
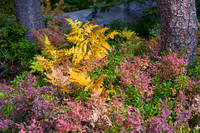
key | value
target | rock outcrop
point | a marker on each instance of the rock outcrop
(131, 14)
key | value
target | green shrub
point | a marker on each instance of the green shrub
(6, 9)
(73, 5)
(147, 22)
(14, 50)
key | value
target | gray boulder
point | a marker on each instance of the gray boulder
(125, 13)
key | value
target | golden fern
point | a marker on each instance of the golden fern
(80, 78)
(56, 77)
(130, 35)
(90, 38)
(65, 66)
(49, 50)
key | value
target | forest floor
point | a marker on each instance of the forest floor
(4, 85)
(5, 82)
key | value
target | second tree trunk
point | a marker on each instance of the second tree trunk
(179, 26)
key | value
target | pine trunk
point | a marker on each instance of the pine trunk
(179, 26)
(29, 14)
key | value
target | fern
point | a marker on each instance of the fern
(127, 33)
(90, 39)
(66, 66)
(36, 66)
(57, 77)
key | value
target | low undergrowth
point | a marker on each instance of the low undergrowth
(102, 83)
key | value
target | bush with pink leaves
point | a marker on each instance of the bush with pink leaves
(168, 66)
(72, 116)
(28, 102)
(54, 33)
(134, 73)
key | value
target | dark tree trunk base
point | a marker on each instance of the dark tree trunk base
(29, 14)
(179, 26)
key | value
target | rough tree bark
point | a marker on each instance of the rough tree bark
(29, 14)
(179, 26)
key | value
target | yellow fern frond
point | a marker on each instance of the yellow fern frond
(45, 63)
(101, 31)
(78, 55)
(57, 78)
(74, 25)
(112, 34)
(48, 50)
(127, 33)
(90, 37)
(97, 88)
(81, 78)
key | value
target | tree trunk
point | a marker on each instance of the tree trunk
(29, 14)
(179, 26)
